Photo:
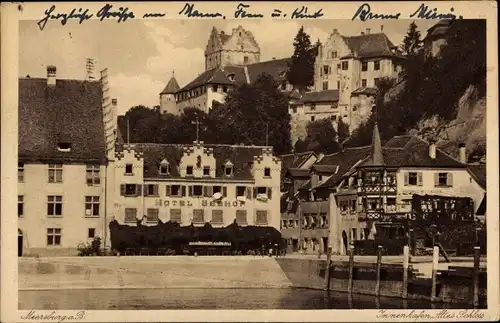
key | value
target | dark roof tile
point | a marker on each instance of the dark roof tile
(276, 68)
(172, 87)
(371, 46)
(479, 173)
(364, 90)
(70, 112)
(320, 96)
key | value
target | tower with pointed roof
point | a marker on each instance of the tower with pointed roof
(167, 97)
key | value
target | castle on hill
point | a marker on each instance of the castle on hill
(347, 70)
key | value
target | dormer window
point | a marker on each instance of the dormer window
(64, 146)
(189, 170)
(228, 168)
(231, 77)
(164, 167)
(206, 171)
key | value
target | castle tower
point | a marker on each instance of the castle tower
(236, 49)
(167, 97)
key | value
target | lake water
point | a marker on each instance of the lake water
(233, 299)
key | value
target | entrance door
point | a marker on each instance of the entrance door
(325, 244)
(345, 241)
(19, 243)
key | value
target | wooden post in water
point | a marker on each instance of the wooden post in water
(477, 256)
(406, 261)
(379, 265)
(351, 269)
(435, 262)
(328, 268)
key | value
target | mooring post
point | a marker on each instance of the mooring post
(406, 262)
(477, 256)
(435, 262)
(328, 267)
(351, 268)
(410, 243)
(379, 265)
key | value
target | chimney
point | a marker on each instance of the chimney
(381, 28)
(368, 31)
(432, 149)
(335, 31)
(463, 153)
(51, 75)
(114, 102)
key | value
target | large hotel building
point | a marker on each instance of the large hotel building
(75, 174)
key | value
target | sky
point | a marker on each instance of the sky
(141, 55)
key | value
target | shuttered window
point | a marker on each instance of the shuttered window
(152, 216)
(151, 190)
(130, 214)
(241, 217)
(176, 215)
(217, 217)
(198, 216)
(261, 217)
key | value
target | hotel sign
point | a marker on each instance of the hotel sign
(198, 203)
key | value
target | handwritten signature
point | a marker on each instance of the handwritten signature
(189, 11)
(364, 13)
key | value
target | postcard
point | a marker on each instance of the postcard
(249, 161)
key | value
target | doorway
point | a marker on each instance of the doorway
(19, 243)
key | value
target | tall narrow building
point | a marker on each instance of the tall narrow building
(167, 97)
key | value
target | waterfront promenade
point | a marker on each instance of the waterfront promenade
(179, 271)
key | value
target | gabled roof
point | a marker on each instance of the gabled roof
(320, 96)
(70, 112)
(172, 87)
(371, 46)
(298, 172)
(364, 90)
(478, 172)
(330, 169)
(241, 156)
(438, 29)
(276, 68)
(213, 76)
(296, 160)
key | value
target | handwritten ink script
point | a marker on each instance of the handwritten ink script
(364, 13)
(108, 11)
(53, 317)
(423, 315)
(191, 12)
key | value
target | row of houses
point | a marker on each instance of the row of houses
(333, 200)
(76, 175)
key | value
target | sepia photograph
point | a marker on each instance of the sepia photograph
(249, 164)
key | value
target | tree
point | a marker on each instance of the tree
(321, 137)
(301, 66)
(342, 130)
(412, 43)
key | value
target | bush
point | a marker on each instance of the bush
(90, 249)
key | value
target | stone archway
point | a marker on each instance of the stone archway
(20, 243)
(345, 241)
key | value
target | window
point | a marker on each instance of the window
(152, 190)
(245, 59)
(55, 173)
(152, 216)
(215, 88)
(267, 172)
(91, 205)
(413, 178)
(364, 66)
(175, 215)
(326, 69)
(395, 67)
(224, 89)
(130, 215)
(363, 83)
(198, 216)
(334, 118)
(219, 189)
(443, 179)
(376, 81)
(54, 205)
(334, 54)
(320, 178)
(352, 206)
(261, 217)
(312, 118)
(231, 77)
(241, 190)
(54, 237)
(174, 190)
(164, 169)
(93, 175)
(345, 66)
(196, 190)
(343, 206)
(128, 169)
(376, 65)
(20, 206)
(325, 86)
(261, 190)
(206, 171)
(91, 233)
(130, 189)
(228, 170)
(217, 216)
(391, 204)
(189, 170)
(241, 217)
(313, 107)
(20, 172)
(64, 146)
